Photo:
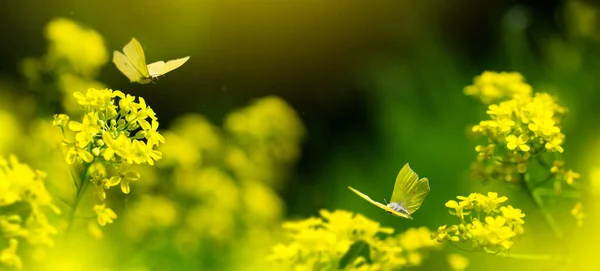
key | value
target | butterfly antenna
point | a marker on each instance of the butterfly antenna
(384, 200)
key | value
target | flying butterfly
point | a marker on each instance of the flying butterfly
(132, 63)
(408, 195)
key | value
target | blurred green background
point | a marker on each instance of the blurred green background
(376, 83)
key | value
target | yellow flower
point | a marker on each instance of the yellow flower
(106, 129)
(148, 213)
(86, 130)
(512, 215)
(497, 232)
(571, 176)
(9, 257)
(266, 135)
(512, 142)
(74, 153)
(26, 201)
(320, 244)
(81, 47)
(578, 214)
(557, 166)
(555, 143)
(60, 120)
(502, 109)
(520, 120)
(414, 239)
(125, 176)
(441, 234)
(458, 262)
(493, 86)
(491, 202)
(469, 201)
(104, 215)
(485, 152)
(153, 136)
(458, 208)
(97, 100)
(546, 126)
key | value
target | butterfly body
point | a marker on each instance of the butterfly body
(408, 195)
(399, 209)
(132, 63)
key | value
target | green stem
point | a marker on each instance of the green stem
(533, 191)
(542, 182)
(460, 248)
(73, 177)
(542, 162)
(80, 192)
(540, 204)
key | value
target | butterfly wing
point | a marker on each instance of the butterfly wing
(380, 205)
(416, 196)
(160, 67)
(126, 67)
(135, 54)
(409, 191)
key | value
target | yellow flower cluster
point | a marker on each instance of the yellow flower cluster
(525, 124)
(225, 180)
(494, 234)
(83, 48)
(73, 59)
(494, 86)
(114, 133)
(24, 202)
(519, 129)
(325, 244)
(266, 135)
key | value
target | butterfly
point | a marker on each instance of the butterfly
(133, 63)
(408, 195)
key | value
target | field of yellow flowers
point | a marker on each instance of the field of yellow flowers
(91, 178)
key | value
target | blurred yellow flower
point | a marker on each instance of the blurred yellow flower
(147, 213)
(25, 203)
(81, 47)
(9, 257)
(493, 86)
(578, 213)
(267, 136)
(104, 215)
(223, 192)
(458, 262)
(193, 133)
(571, 176)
